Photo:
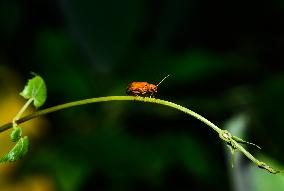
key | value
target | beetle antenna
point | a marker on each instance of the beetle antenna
(162, 80)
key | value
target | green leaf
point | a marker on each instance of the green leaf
(16, 134)
(35, 89)
(19, 150)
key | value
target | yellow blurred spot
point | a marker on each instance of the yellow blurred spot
(32, 183)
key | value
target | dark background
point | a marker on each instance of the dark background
(225, 59)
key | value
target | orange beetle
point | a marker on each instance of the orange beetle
(143, 89)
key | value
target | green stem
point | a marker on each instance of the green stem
(223, 134)
(111, 98)
(22, 110)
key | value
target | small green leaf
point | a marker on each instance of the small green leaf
(16, 134)
(35, 89)
(19, 150)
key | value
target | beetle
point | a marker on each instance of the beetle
(143, 89)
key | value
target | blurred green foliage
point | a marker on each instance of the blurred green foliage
(221, 63)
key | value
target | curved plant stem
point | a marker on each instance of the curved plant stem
(111, 98)
(232, 141)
